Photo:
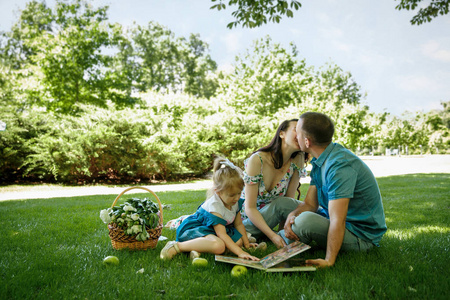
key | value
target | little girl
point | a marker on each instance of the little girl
(217, 224)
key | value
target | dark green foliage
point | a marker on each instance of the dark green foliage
(254, 13)
(173, 137)
(427, 12)
(23, 130)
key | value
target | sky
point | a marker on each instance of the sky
(400, 67)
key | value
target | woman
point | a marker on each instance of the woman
(272, 175)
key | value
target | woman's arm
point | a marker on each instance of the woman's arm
(293, 184)
(251, 193)
(257, 219)
(299, 161)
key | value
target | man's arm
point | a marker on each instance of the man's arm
(338, 213)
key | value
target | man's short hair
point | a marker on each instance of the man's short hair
(318, 127)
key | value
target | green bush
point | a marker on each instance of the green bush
(172, 136)
(23, 130)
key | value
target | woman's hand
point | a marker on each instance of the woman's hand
(245, 255)
(277, 240)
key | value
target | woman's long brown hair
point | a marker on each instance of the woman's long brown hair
(274, 147)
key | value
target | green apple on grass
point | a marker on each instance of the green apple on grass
(238, 271)
(110, 260)
(199, 262)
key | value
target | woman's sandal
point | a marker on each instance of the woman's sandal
(165, 251)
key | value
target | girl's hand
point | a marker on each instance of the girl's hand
(252, 245)
(245, 255)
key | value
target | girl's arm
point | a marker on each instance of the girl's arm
(241, 228)
(229, 243)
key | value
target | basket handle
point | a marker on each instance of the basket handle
(148, 190)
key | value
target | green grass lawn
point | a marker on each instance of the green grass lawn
(53, 249)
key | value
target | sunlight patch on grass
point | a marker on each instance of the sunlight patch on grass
(415, 231)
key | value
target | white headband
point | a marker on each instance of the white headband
(226, 162)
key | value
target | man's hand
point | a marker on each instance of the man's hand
(320, 263)
(288, 227)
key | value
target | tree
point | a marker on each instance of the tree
(16, 52)
(266, 78)
(57, 57)
(274, 82)
(165, 63)
(426, 13)
(17, 48)
(446, 114)
(254, 13)
(436, 122)
(62, 57)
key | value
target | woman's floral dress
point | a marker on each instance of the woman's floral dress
(265, 197)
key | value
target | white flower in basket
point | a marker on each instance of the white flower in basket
(133, 217)
(104, 215)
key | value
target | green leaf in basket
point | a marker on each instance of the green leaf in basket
(154, 220)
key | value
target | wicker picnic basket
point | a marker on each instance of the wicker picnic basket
(120, 240)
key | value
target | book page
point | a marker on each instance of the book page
(283, 254)
(239, 261)
(291, 265)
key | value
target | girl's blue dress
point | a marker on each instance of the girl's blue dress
(201, 224)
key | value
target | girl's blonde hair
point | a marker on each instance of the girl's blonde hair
(225, 176)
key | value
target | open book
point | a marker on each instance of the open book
(276, 261)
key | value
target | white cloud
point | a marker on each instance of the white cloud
(232, 42)
(331, 32)
(323, 17)
(226, 68)
(433, 49)
(345, 47)
(295, 32)
(418, 83)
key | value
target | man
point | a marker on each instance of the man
(342, 208)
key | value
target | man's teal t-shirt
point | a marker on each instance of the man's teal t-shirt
(339, 173)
